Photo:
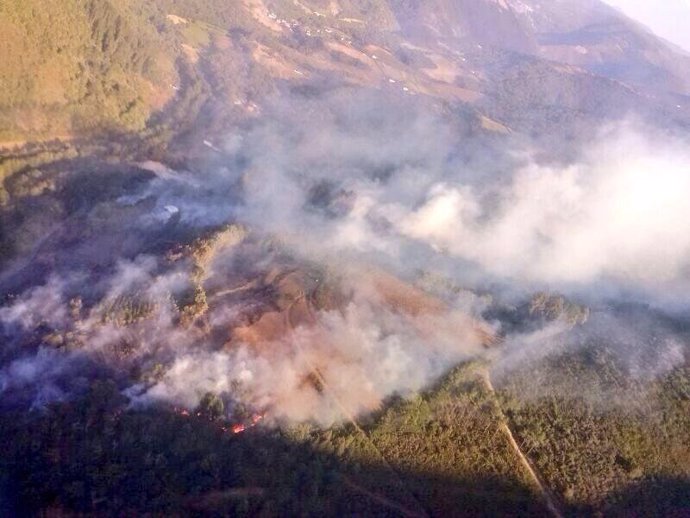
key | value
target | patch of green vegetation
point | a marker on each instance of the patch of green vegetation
(453, 432)
(80, 65)
(418, 457)
(215, 12)
(197, 34)
(595, 434)
(441, 453)
(126, 310)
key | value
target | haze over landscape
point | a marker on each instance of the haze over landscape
(667, 19)
(383, 257)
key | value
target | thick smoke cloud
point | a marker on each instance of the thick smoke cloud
(365, 195)
(619, 215)
(360, 356)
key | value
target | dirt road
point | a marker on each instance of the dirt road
(544, 491)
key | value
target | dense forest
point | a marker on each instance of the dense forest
(442, 453)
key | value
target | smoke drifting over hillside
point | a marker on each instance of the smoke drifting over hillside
(618, 215)
(308, 310)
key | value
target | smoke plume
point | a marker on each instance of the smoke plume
(305, 299)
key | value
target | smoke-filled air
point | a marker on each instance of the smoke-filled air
(420, 258)
(354, 262)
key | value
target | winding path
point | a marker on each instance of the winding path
(544, 491)
(549, 499)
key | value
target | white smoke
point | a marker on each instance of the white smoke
(361, 356)
(43, 304)
(353, 187)
(621, 214)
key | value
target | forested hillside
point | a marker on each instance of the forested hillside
(76, 65)
(79, 67)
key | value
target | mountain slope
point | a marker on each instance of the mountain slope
(588, 34)
(78, 66)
